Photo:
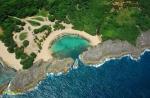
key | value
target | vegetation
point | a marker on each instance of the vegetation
(38, 18)
(92, 16)
(43, 13)
(121, 25)
(23, 36)
(25, 43)
(34, 23)
(51, 18)
(43, 28)
(58, 26)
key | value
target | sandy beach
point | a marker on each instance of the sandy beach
(46, 54)
(9, 58)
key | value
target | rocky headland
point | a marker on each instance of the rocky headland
(115, 49)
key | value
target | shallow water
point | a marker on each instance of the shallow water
(120, 78)
(69, 46)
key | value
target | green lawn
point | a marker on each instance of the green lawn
(43, 13)
(23, 36)
(34, 23)
(38, 18)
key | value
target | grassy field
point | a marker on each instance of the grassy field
(23, 36)
(38, 18)
(43, 13)
(34, 23)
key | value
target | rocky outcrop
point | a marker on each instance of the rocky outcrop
(115, 48)
(26, 79)
(6, 74)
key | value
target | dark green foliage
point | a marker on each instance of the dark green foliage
(43, 28)
(25, 43)
(145, 6)
(19, 8)
(18, 52)
(51, 18)
(28, 61)
(58, 26)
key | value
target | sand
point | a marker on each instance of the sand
(46, 54)
(9, 58)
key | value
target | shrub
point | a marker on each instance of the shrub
(25, 43)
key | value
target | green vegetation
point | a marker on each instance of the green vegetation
(51, 18)
(38, 18)
(121, 25)
(25, 43)
(23, 36)
(34, 23)
(58, 26)
(43, 28)
(92, 16)
(43, 13)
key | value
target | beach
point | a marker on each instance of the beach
(9, 58)
(46, 54)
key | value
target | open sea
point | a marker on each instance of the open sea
(119, 78)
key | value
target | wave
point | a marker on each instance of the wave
(127, 55)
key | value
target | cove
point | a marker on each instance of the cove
(69, 46)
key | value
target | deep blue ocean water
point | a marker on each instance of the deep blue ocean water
(120, 78)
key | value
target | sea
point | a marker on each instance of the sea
(117, 78)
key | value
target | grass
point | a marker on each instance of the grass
(1, 32)
(43, 13)
(39, 18)
(34, 23)
(23, 36)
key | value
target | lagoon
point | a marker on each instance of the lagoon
(69, 46)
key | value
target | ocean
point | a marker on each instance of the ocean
(117, 78)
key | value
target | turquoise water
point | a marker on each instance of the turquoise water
(69, 46)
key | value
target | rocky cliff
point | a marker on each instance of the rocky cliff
(115, 48)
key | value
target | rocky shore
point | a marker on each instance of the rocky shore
(115, 49)
(6, 74)
(27, 79)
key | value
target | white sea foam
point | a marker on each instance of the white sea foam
(127, 55)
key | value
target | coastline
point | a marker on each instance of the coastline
(46, 54)
(9, 58)
(114, 49)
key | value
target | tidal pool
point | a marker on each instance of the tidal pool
(69, 46)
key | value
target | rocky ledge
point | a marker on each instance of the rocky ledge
(6, 74)
(27, 79)
(114, 49)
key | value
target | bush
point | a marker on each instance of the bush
(51, 18)
(23, 36)
(43, 28)
(25, 43)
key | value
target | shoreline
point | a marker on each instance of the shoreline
(9, 58)
(76, 67)
(115, 49)
(45, 52)
(118, 58)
